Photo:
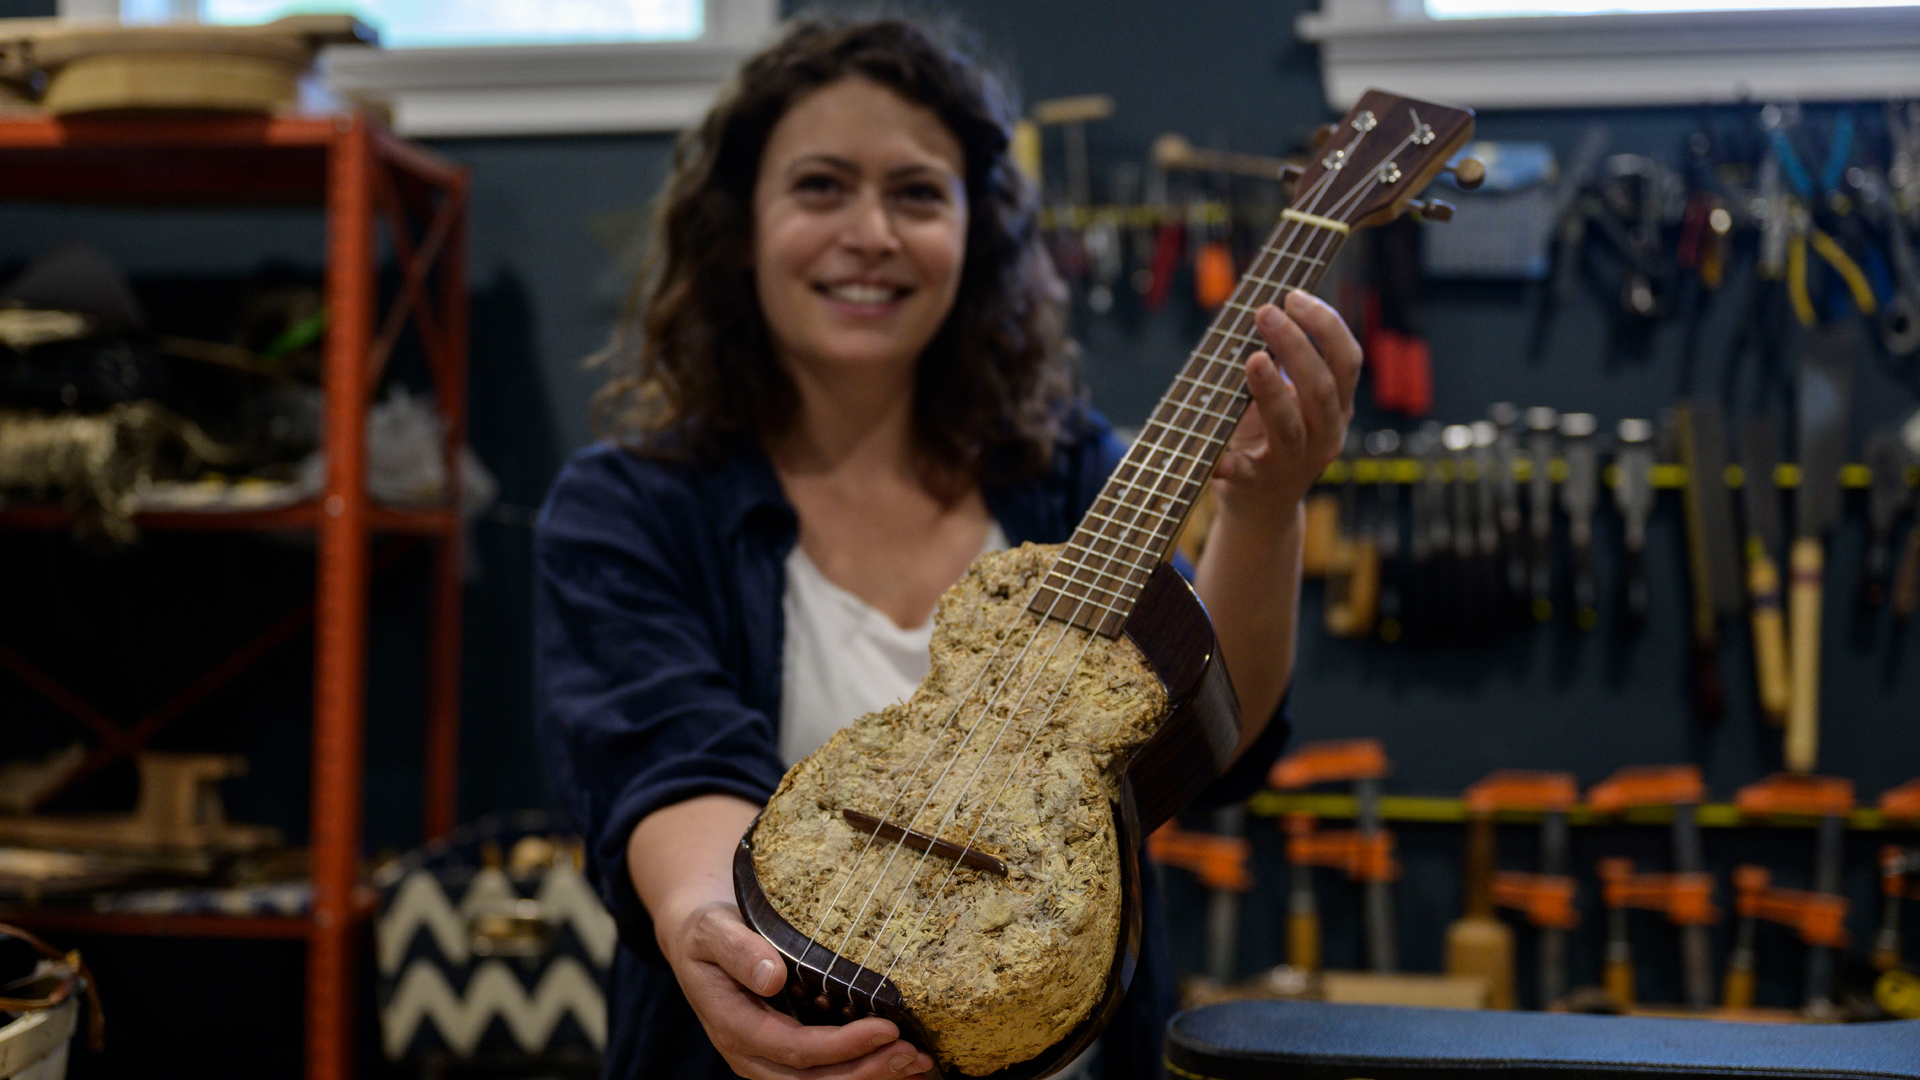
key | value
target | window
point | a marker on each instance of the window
(451, 68)
(406, 24)
(1491, 54)
(1483, 9)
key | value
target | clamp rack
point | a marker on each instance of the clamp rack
(1544, 898)
(1819, 914)
(1365, 852)
(1685, 896)
(363, 176)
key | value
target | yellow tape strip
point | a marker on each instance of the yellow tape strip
(1317, 221)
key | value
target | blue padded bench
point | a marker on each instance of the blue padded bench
(1306, 1040)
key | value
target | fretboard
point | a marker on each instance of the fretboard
(1131, 526)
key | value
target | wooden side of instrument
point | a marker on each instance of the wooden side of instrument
(1202, 730)
(1193, 746)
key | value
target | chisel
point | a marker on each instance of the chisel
(1633, 497)
(1542, 422)
(1712, 562)
(1506, 448)
(1463, 593)
(1906, 580)
(1826, 399)
(1486, 503)
(1384, 444)
(1887, 499)
(1761, 498)
(1578, 497)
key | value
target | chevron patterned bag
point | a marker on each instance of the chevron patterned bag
(491, 944)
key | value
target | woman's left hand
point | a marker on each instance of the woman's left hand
(1302, 387)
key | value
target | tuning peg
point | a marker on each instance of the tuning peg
(1432, 209)
(1323, 133)
(1468, 173)
(1290, 173)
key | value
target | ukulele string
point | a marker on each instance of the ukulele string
(1299, 262)
(1012, 670)
(932, 744)
(953, 811)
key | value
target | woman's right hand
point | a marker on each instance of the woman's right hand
(727, 972)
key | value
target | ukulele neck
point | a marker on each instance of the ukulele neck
(1132, 525)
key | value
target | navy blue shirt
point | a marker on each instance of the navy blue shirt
(657, 631)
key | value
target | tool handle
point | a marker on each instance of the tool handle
(1709, 684)
(1877, 571)
(1803, 708)
(1303, 940)
(1633, 581)
(1737, 991)
(1586, 604)
(1906, 581)
(1769, 633)
(1618, 981)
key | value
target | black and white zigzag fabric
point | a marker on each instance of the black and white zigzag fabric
(446, 987)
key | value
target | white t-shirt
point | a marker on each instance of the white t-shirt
(842, 659)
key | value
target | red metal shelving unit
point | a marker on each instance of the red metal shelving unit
(365, 178)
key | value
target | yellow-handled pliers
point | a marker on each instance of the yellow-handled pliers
(1836, 257)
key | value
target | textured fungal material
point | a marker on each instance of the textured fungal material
(1014, 744)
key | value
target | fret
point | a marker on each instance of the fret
(1127, 592)
(1116, 540)
(1220, 416)
(1240, 336)
(1196, 459)
(1085, 548)
(1142, 489)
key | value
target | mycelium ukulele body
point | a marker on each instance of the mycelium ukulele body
(965, 863)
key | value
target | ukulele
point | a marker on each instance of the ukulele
(965, 863)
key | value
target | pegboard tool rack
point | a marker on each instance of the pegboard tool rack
(363, 177)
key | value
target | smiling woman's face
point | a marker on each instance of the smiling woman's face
(860, 229)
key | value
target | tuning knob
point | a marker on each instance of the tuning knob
(1432, 209)
(1468, 173)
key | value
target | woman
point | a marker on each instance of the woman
(850, 381)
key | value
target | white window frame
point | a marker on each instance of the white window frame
(505, 90)
(1679, 58)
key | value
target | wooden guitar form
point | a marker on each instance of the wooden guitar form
(965, 863)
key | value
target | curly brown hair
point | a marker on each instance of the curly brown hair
(693, 367)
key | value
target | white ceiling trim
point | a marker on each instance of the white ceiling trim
(1672, 59)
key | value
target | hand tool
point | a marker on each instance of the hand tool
(1488, 580)
(1219, 859)
(1826, 401)
(1685, 896)
(1365, 852)
(1579, 494)
(1506, 450)
(1760, 496)
(1900, 804)
(1478, 942)
(1545, 898)
(1897, 864)
(1542, 423)
(1899, 319)
(1382, 445)
(1463, 598)
(1887, 499)
(1433, 532)
(1633, 497)
(1711, 558)
(1906, 580)
(1353, 573)
(1819, 915)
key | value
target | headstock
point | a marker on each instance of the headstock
(1381, 154)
